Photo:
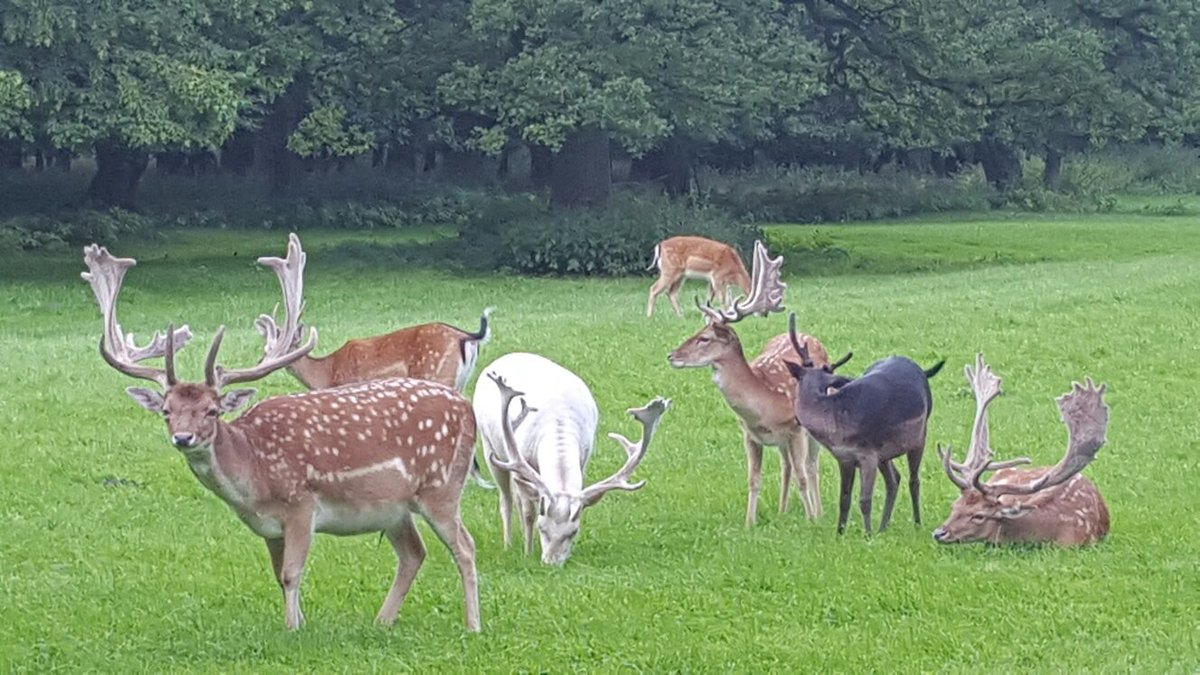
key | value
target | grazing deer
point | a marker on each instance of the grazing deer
(351, 460)
(866, 423)
(682, 258)
(437, 352)
(760, 393)
(1040, 505)
(547, 447)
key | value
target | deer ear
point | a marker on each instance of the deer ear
(1013, 511)
(147, 398)
(795, 369)
(232, 400)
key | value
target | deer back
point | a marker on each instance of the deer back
(431, 351)
(771, 368)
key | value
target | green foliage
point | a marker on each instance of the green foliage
(826, 194)
(75, 228)
(617, 240)
(325, 132)
(661, 580)
(14, 101)
(1141, 169)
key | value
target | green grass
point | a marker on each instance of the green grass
(112, 556)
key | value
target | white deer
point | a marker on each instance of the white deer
(544, 451)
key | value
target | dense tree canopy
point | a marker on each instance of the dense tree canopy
(570, 79)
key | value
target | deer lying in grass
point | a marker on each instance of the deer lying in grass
(437, 352)
(350, 460)
(866, 423)
(544, 452)
(1040, 505)
(682, 258)
(760, 392)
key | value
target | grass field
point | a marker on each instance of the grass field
(113, 557)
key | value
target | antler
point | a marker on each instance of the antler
(649, 416)
(986, 386)
(105, 275)
(516, 462)
(766, 291)
(1086, 416)
(278, 351)
(802, 351)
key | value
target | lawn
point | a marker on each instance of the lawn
(113, 557)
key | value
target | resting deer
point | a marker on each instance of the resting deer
(866, 423)
(1040, 505)
(544, 452)
(437, 352)
(351, 460)
(682, 258)
(760, 392)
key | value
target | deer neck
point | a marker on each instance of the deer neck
(228, 467)
(742, 388)
(814, 411)
(313, 373)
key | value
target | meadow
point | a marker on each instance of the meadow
(113, 557)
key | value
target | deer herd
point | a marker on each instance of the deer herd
(384, 432)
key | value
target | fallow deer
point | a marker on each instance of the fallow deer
(351, 460)
(543, 454)
(437, 352)
(1041, 505)
(682, 258)
(866, 423)
(760, 392)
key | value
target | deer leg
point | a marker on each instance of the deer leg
(787, 470)
(447, 524)
(673, 295)
(297, 538)
(505, 488)
(804, 463)
(847, 470)
(754, 453)
(891, 485)
(410, 553)
(528, 516)
(914, 482)
(868, 467)
(656, 289)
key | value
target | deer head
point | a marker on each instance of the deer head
(808, 375)
(192, 410)
(559, 513)
(717, 339)
(980, 513)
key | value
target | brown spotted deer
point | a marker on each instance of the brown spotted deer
(437, 352)
(760, 392)
(866, 423)
(351, 460)
(682, 258)
(1040, 505)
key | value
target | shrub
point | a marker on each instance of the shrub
(74, 228)
(830, 194)
(619, 239)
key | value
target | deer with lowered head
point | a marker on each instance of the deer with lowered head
(437, 352)
(681, 258)
(350, 460)
(1049, 504)
(866, 423)
(540, 456)
(760, 393)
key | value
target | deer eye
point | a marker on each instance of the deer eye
(213, 412)
(703, 339)
(166, 413)
(978, 518)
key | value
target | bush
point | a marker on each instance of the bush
(74, 229)
(829, 194)
(1132, 169)
(528, 238)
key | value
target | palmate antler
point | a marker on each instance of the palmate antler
(766, 291)
(278, 350)
(1083, 411)
(649, 417)
(105, 274)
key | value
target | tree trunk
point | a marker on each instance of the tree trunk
(237, 153)
(12, 155)
(288, 109)
(1001, 166)
(541, 161)
(118, 172)
(671, 164)
(1052, 173)
(582, 171)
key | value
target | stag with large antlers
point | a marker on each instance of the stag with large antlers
(540, 454)
(866, 423)
(760, 392)
(1040, 505)
(351, 460)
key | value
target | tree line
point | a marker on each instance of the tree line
(673, 84)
